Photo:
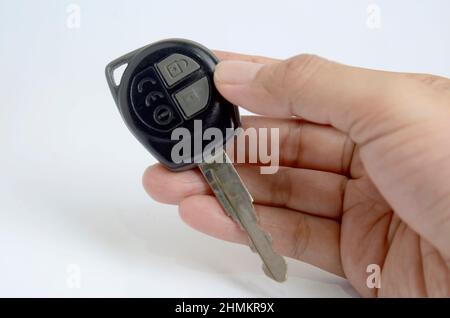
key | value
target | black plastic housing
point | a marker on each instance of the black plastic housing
(218, 113)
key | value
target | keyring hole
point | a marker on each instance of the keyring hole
(118, 73)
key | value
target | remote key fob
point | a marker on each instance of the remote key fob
(166, 85)
(169, 85)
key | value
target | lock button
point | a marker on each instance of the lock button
(175, 67)
(194, 98)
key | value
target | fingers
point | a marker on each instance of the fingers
(433, 80)
(310, 87)
(300, 236)
(315, 192)
(305, 145)
(172, 187)
(302, 145)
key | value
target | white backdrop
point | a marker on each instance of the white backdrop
(74, 219)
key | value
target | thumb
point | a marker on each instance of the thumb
(354, 100)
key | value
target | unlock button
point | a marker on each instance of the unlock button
(175, 67)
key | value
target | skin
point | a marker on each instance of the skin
(364, 176)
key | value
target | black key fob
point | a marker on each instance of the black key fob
(167, 85)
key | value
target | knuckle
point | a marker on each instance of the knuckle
(281, 192)
(341, 195)
(298, 141)
(436, 81)
(292, 142)
(297, 72)
(301, 67)
(287, 80)
(348, 152)
(429, 79)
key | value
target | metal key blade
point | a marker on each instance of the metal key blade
(238, 204)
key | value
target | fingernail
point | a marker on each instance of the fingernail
(236, 72)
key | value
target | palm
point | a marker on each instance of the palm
(372, 233)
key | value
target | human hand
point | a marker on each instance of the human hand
(364, 176)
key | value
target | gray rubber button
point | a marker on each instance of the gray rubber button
(176, 67)
(193, 98)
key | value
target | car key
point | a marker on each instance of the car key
(168, 85)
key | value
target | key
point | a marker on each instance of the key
(166, 90)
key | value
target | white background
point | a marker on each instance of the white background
(71, 201)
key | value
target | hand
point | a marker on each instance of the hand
(365, 176)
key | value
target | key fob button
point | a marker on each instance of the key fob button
(151, 103)
(193, 98)
(163, 114)
(175, 67)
